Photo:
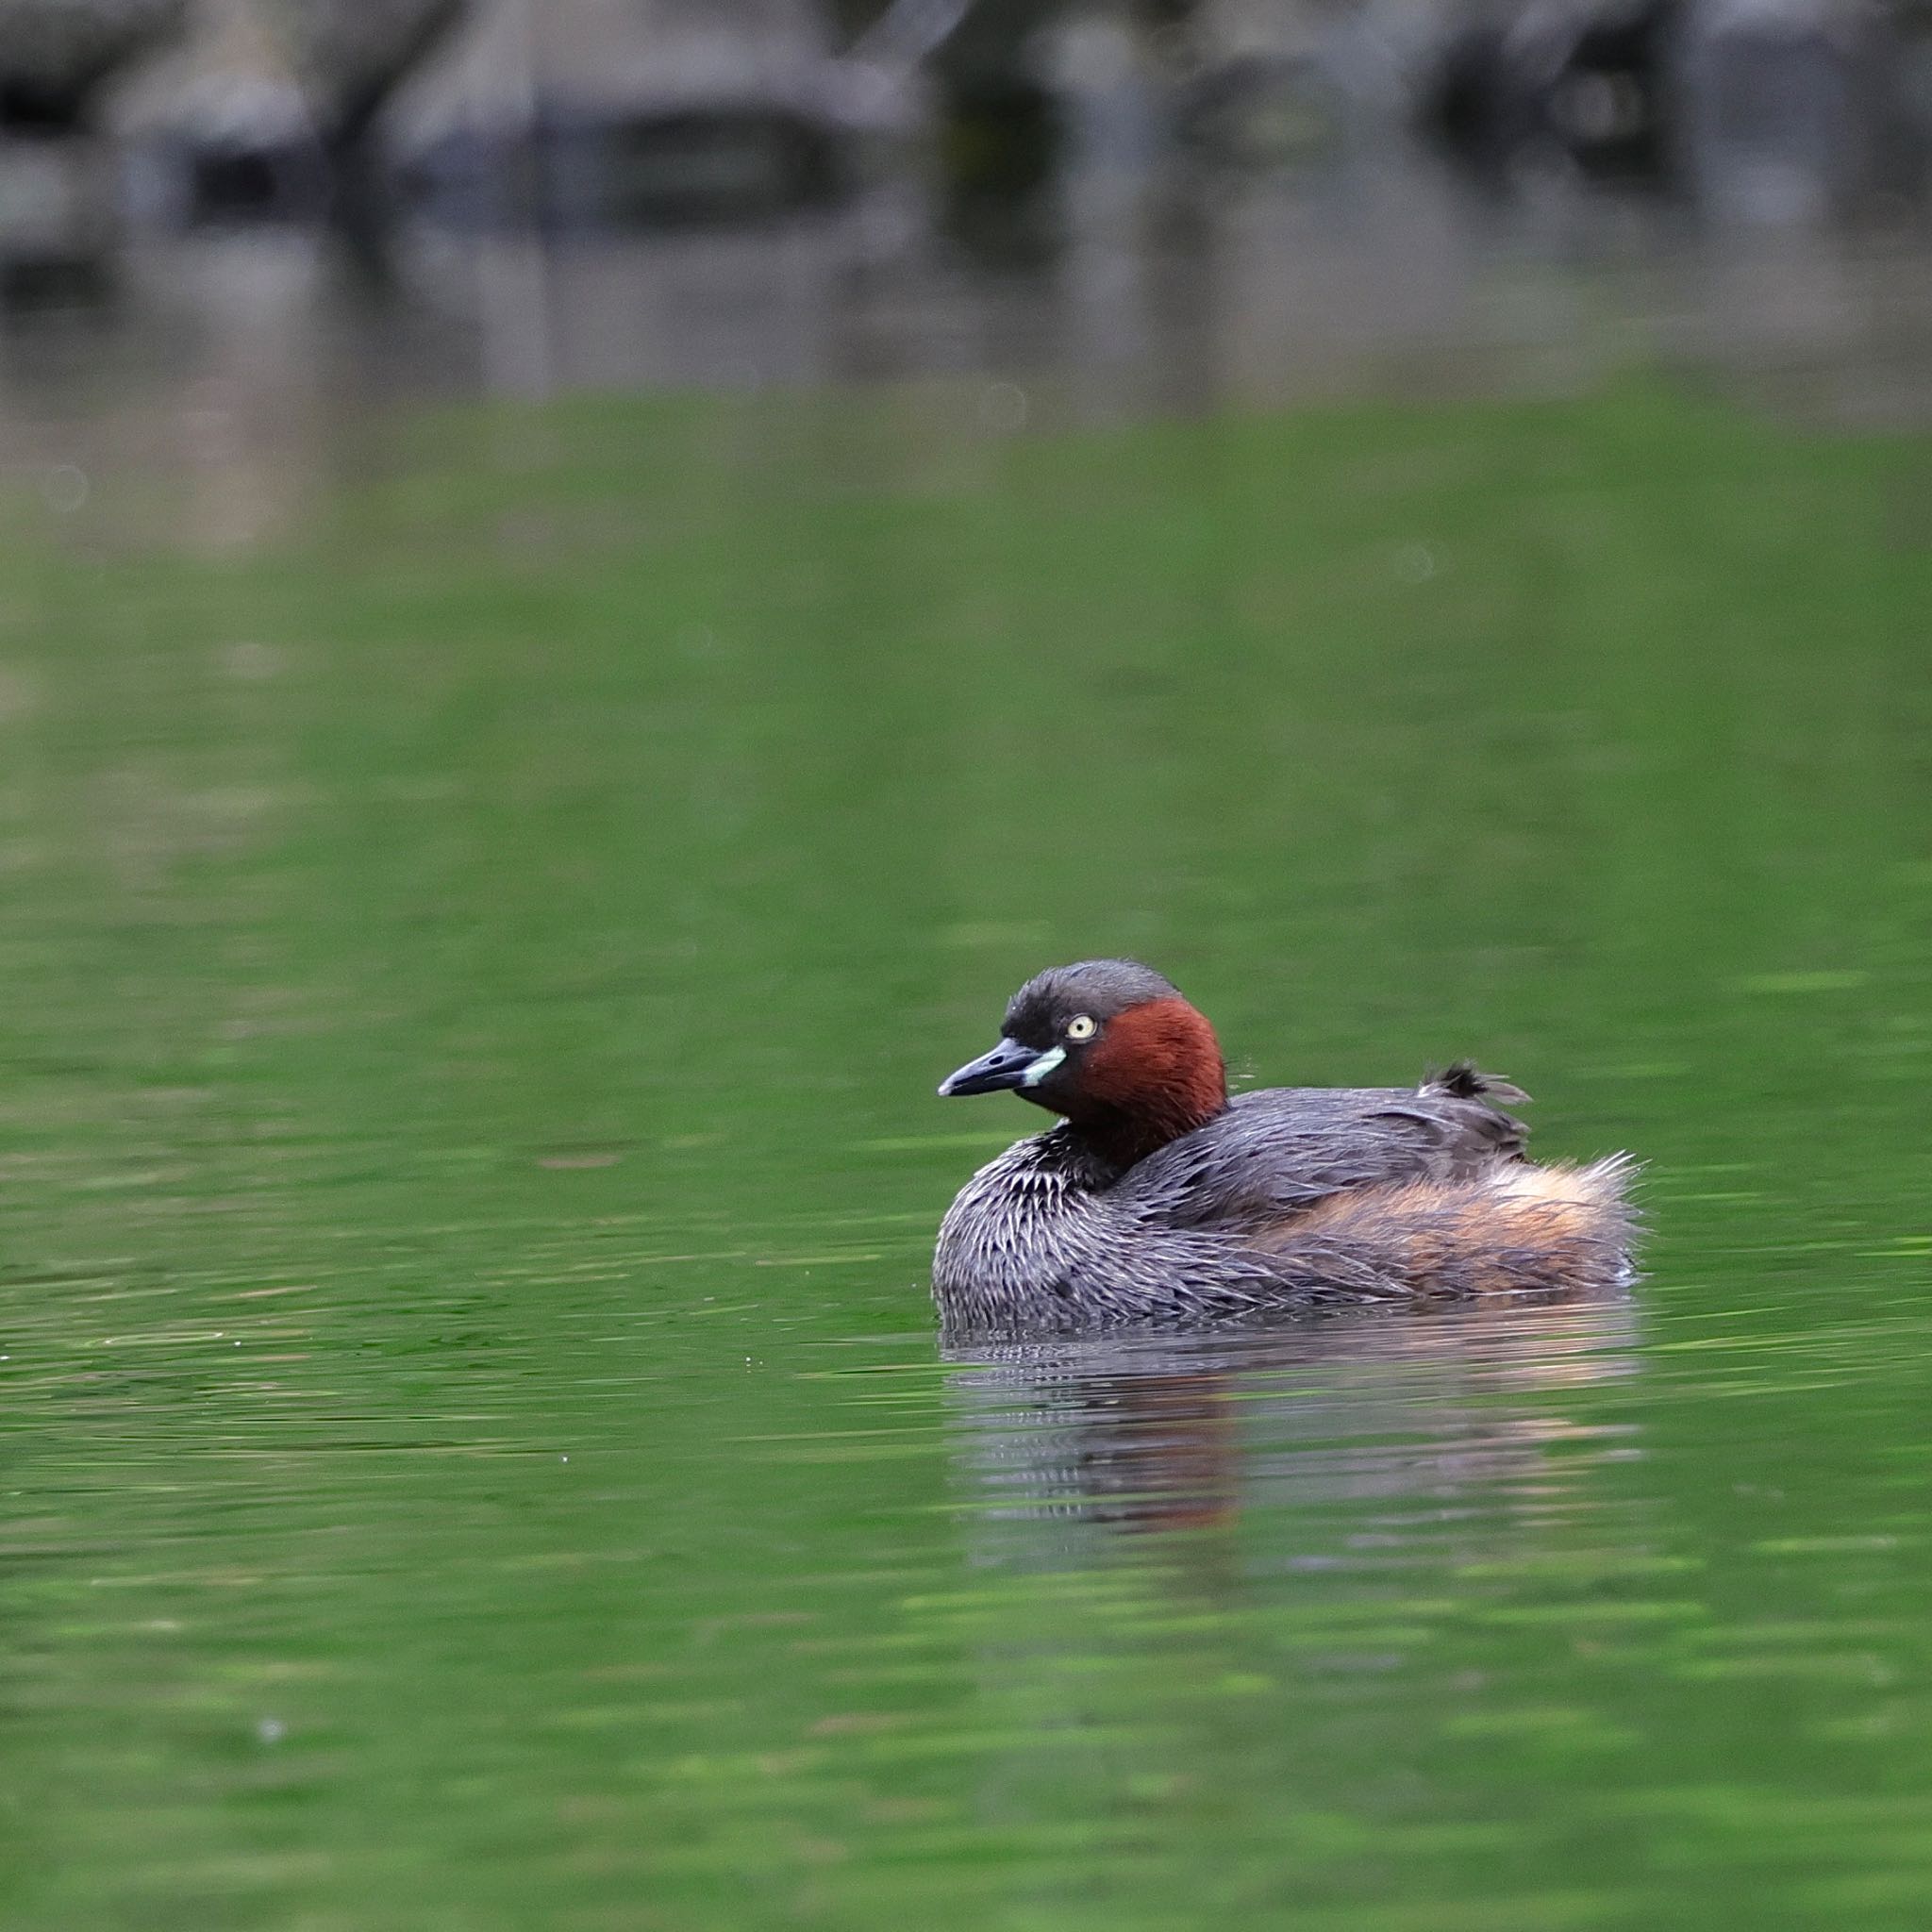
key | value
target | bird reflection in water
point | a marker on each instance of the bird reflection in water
(1167, 1432)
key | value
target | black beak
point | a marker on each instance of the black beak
(1007, 1065)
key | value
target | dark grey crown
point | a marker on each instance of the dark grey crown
(1037, 1015)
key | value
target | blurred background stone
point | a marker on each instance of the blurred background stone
(58, 190)
(589, 111)
(56, 56)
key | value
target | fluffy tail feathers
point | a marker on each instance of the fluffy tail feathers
(1512, 1229)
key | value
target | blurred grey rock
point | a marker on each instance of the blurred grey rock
(349, 55)
(55, 54)
(1790, 105)
(665, 111)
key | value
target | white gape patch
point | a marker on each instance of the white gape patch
(1042, 1067)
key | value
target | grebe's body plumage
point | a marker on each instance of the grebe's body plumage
(1159, 1200)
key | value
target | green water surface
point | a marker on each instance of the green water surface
(472, 983)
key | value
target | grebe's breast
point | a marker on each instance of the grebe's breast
(1019, 1225)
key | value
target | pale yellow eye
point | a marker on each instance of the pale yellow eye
(1082, 1026)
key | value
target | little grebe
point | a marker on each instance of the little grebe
(1160, 1199)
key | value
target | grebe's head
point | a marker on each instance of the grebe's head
(1112, 1045)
